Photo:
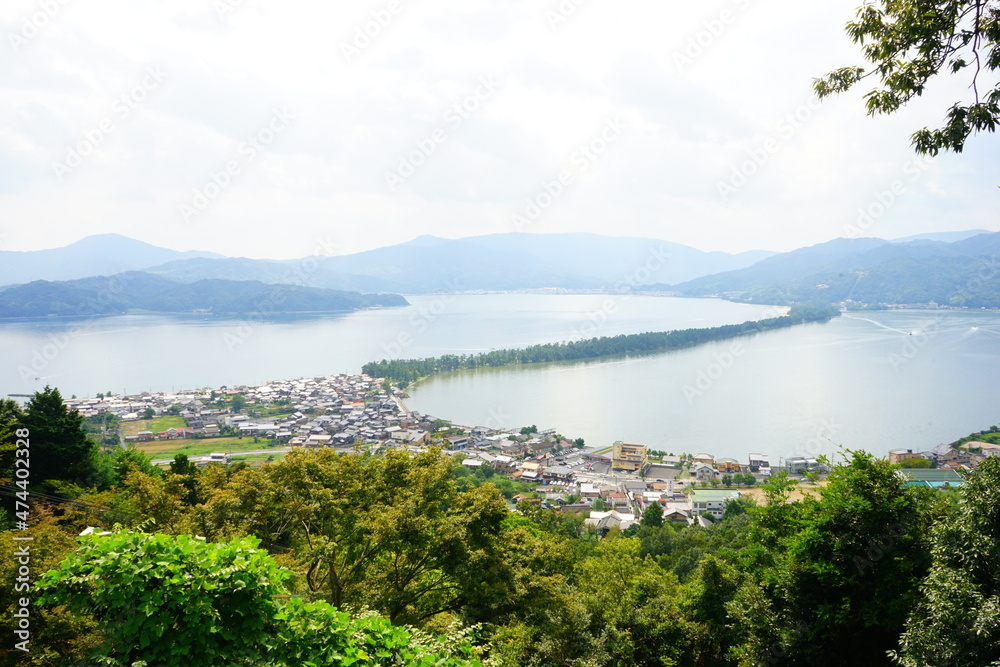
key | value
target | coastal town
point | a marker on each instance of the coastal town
(612, 484)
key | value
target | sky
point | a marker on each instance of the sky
(271, 129)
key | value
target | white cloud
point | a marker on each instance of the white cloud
(689, 126)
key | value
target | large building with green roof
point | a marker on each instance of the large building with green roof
(934, 478)
(712, 501)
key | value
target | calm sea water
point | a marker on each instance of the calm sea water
(875, 381)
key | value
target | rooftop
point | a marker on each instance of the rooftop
(931, 475)
(713, 495)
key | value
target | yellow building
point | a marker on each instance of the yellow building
(628, 457)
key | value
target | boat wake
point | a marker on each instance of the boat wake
(878, 324)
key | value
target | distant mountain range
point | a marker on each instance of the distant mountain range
(965, 272)
(100, 255)
(950, 268)
(944, 237)
(493, 263)
(138, 291)
(426, 264)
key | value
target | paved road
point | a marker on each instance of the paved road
(196, 459)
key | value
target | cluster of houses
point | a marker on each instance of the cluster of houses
(339, 410)
(350, 410)
(627, 482)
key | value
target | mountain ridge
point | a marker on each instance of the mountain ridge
(492, 262)
(90, 256)
(960, 273)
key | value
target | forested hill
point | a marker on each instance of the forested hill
(138, 291)
(405, 371)
(961, 273)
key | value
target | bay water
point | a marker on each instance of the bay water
(875, 380)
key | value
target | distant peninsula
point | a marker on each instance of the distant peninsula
(407, 371)
(137, 292)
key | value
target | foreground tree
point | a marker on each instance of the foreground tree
(908, 42)
(10, 417)
(392, 533)
(180, 601)
(956, 622)
(60, 448)
(831, 572)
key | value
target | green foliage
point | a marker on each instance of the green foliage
(182, 466)
(747, 479)
(834, 571)
(170, 600)
(58, 636)
(392, 533)
(10, 417)
(315, 633)
(127, 459)
(737, 507)
(918, 462)
(528, 430)
(911, 41)
(777, 488)
(956, 620)
(181, 601)
(652, 516)
(856, 568)
(60, 449)
(406, 371)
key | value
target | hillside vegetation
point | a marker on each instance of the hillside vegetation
(414, 561)
(138, 291)
(962, 273)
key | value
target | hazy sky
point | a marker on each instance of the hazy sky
(270, 129)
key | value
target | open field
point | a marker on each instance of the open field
(796, 493)
(199, 446)
(255, 459)
(156, 425)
